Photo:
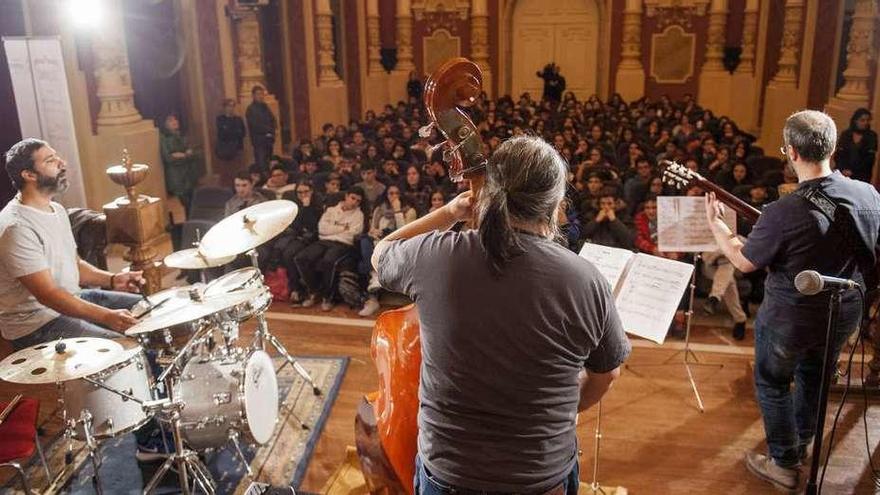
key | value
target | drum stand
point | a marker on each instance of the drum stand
(85, 419)
(187, 461)
(262, 335)
(687, 352)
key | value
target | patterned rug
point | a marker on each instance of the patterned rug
(281, 461)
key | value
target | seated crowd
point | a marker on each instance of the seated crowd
(354, 184)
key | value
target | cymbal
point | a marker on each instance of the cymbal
(42, 363)
(182, 308)
(192, 259)
(244, 230)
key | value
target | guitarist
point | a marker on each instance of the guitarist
(829, 224)
(518, 333)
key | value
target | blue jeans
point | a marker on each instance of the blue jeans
(65, 327)
(425, 483)
(783, 355)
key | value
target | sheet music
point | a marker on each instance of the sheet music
(611, 262)
(650, 293)
(682, 226)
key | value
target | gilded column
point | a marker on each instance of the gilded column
(858, 52)
(250, 53)
(480, 40)
(750, 36)
(630, 78)
(404, 36)
(326, 48)
(114, 89)
(374, 56)
(791, 44)
(715, 37)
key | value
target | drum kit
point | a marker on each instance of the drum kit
(211, 391)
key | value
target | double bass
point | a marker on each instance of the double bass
(386, 425)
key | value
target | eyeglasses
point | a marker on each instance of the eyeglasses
(783, 149)
(303, 191)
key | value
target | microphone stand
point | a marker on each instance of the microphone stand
(824, 385)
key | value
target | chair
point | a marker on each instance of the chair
(207, 208)
(19, 439)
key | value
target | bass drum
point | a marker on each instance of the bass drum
(225, 395)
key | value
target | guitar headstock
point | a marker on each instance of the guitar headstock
(678, 175)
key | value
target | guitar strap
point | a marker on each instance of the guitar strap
(830, 208)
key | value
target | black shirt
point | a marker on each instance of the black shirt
(791, 236)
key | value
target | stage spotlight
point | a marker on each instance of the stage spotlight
(85, 14)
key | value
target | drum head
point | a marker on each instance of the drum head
(260, 396)
(234, 280)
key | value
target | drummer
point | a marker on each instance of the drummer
(41, 274)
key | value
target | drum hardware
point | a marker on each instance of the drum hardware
(175, 362)
(85, 421)
(233, 439)
(187, 461)
(262, 335)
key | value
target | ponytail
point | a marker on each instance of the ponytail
(496, 232)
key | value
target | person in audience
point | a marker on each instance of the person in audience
(417, 189)
(333, 193)
(857, 147)
(337, 229)
(245, 194)
(635, 188)
(438, 200)
(302, 232)
(736, 177)
(722, 273)
(390, 172)
(230, 142)
(373, 189)
(304, 152)
(178, 161)
(609, 226)
(277, 184)
(261, 125)
(389, 215)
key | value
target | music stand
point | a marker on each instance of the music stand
(690, 358)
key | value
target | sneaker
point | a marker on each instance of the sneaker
(155, 448)
(327, 305)
(370, 308)
(295, 298)
(710, 305)
(310, 301)
(739, 331)
(764, 467)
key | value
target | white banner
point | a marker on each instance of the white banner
(39, 82)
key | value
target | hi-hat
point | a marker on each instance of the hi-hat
(188, 306)
(192, 259)
(244, 230)
(60, 360)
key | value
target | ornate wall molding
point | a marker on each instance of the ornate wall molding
(460, 8)
(439, 47)
(749, 42)
(631, 50)
(326, 46)
(404, 37)
(792, 36)
(858, 52)
(715, 37)
(673, 53)
(676, 12)
(250, 53)
(112, 74)
(480, 36)
(374, 43)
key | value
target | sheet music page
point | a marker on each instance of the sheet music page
(682, 226)
(650, 294)
(611, 262)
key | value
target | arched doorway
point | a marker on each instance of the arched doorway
(568, 33)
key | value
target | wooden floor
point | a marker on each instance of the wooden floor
(654, 439)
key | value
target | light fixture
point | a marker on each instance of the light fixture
(85, 14)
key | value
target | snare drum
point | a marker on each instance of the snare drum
(170, 339)
(243, 278)
(112, 415)
(236, 393)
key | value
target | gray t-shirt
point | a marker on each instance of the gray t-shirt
(33, 240)
(501, 356)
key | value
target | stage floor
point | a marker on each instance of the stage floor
(654, 438)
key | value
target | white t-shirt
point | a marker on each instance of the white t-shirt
(33, 240)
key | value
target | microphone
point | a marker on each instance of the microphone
(811, 282)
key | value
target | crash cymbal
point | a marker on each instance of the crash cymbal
(61, 360)
(186, 305)
(192, 259)
(244, 230)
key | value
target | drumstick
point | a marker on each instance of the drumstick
(8, 409)
(151, 308)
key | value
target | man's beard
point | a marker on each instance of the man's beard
(52, 185)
